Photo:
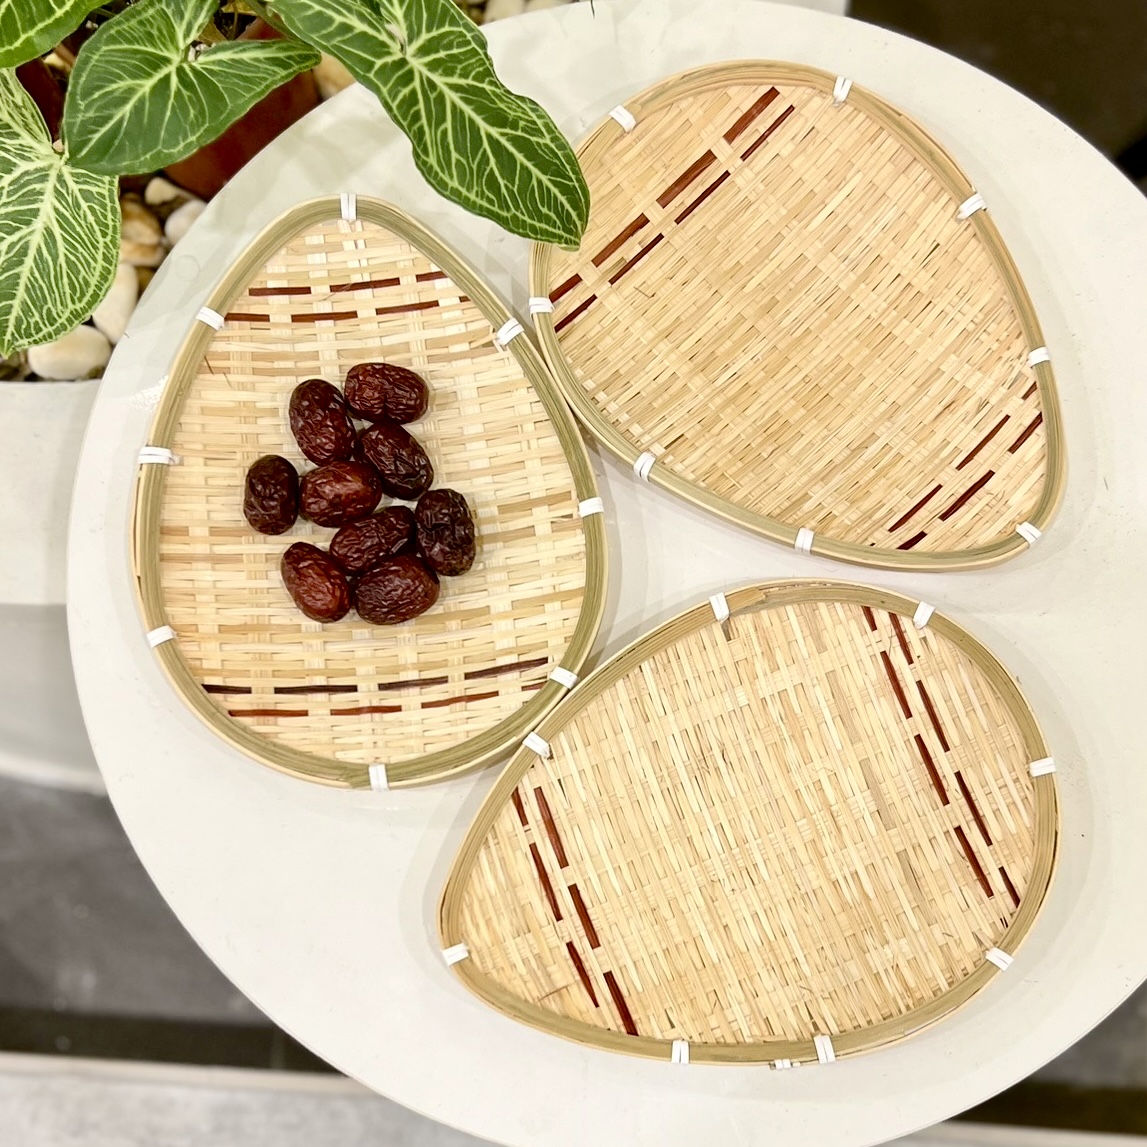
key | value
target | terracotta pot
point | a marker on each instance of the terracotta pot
(205, 172)
(40, 82)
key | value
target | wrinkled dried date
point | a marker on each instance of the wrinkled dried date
(382, 390)
(339, 493)
(445, 532)
(271, 495)
(371, 540)
(315, 582)
(396, 591)
(401, 462)
(320, 422)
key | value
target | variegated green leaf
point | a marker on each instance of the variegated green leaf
(59, 230)
(140, 98)
(496, 153)
(18, 112)
(28, 28)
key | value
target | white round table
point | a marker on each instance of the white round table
(320, 904)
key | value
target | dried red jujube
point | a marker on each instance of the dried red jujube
(315, 582)
(445, 532)
(377, 390)
(320, 422)
(339, 493)
(271, 495)
(401, 462)
(396, 591)
(365, 543)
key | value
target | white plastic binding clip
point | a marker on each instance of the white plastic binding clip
(507, 332)
(923, 615)
(210, 317)
(782, 1064)
(824, 1049)
(159, 635)
(541, 305)
(1000, 958)
(590, 506)
(378, 778)
(455, 954)
(1030, 534)
(643, 465)
(720, 604)
(1040, 354)
(840, 90)
(1042, 767)
(537, 745)
(803, 543)
(348, 201)
(624, 117)
(974, 202)
(158, 456)
(679, 1052)
(563, 677)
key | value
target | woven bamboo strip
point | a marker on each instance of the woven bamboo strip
(459, 685)
(816, 820)
(775, 297)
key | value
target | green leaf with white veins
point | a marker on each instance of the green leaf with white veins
(140, 98)
(29, 28)
(496, 153)
(59, 230)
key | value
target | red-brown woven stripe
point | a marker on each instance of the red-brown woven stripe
(551, 828)
(583, 916)
(930, 765)
(966, 793)
(897, 688)
(905, 518)
(685, 178)
(981, 875)
(544, 878)
(967, 495)
(620, 239)
(583, 975)
(981, 444)
(619, 1003)
(744, 121)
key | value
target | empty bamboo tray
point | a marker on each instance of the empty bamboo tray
(331, 284)
(791, 308)
(799, 821)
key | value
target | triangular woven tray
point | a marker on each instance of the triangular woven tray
(452, 689)
(802, 832)
(791, 309)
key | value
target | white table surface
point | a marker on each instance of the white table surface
(320, 904)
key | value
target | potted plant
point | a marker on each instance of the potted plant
(159, 79)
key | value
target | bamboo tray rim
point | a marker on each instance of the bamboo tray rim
(494, 742)
(762, 595)
(941, 164)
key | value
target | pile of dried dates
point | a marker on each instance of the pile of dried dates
(387, 564)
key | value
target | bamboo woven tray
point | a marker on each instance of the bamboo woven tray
(456, 687)
(804, 832)
(790, 309)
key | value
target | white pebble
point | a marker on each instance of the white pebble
(180, 220)
(500, 9)
(112, 314)
(331, 76)
(81, 353)
(141, 254)
(160, 190)
(139, 225)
